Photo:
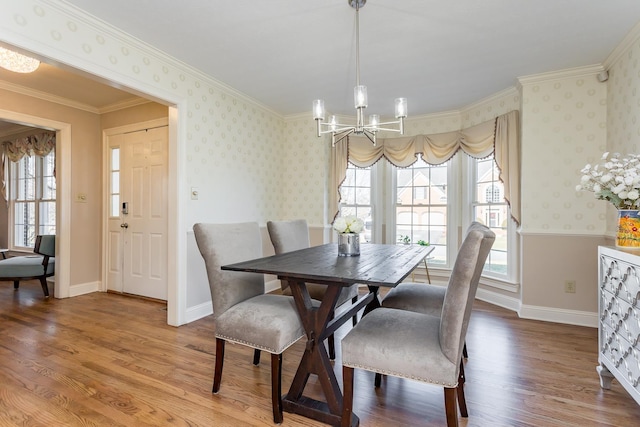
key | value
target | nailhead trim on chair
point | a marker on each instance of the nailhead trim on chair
(259, 347)
(396, 374)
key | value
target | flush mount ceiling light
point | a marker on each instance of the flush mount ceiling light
(16, 62)
(340, 131)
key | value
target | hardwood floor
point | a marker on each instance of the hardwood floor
(109, 360)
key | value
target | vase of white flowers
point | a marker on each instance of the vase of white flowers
(617, 180)
(348, 229)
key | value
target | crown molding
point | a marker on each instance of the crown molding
(510, 91)
(152, 52)
(48, 97)
(624, 46)
(128, 103)
(589, 70)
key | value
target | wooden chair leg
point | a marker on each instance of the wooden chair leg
(450, 407)
(45, 287)
(217, 376)
(16, 284)
(354, 320)
(464, 351)
(347, 399)
(256, 357)
(378, 380)
(276, 387)
(462, 402)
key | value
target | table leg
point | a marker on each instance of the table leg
(315, 359)
(375, 302)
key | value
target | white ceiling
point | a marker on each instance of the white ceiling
(440, 54)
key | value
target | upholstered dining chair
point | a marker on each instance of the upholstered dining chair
(420, 346)
(287, 236)
(421, 298)
(243, 313)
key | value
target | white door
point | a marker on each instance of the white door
(137, 229)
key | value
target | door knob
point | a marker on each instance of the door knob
(124, 225)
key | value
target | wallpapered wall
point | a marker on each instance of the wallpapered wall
(623, 104)
(563, 128)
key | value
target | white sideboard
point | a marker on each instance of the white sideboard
(619, 324)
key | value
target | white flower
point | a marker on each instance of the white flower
(615, 179)
(340, 225)
(348, 224)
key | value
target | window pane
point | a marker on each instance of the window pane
(115, 205)
(48, 178)
(115, 159)
(115, 182)
(24, 224)
(47, 218)
(421, 207)
(355, 199)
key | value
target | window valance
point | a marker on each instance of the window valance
(500, 136)
(39, 144)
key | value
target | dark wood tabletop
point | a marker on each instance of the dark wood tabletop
(377, 265)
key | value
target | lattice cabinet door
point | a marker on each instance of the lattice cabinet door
(619, 324)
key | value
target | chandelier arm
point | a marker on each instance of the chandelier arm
(340, 136)
(370, 135)
(338, 130)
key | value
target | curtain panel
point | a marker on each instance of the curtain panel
(40, 144)
(500, 136)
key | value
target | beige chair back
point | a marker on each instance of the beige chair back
(461, 291)
(222, 244)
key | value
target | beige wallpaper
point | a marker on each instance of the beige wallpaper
(563, 128)
(623, 103)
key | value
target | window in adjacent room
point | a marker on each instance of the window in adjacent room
(32, 199)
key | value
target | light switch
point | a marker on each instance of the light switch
(194, 193)
(81, 197)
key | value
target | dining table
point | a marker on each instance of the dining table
(377, 265)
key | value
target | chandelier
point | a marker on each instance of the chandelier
(16, 62)
(340, 131)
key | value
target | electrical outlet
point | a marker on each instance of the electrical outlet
(570, 286)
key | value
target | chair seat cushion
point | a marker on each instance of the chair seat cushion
(399, 343)
(418, 297)
(25, 266)
(266, 322)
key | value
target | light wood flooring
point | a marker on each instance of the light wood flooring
(110, 360)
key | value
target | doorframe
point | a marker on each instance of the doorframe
(106, 134)
(63, 194)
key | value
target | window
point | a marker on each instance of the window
(114, 187)
(355, 199)
(489, 208)
(33, 199)
(432, 203)
(421, 206)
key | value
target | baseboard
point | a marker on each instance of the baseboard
(84, 288)
(545, 314)
(504, 301)
(198, 311)
(558, 315)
